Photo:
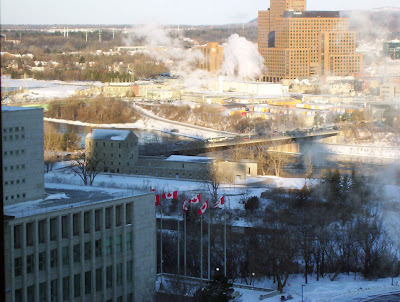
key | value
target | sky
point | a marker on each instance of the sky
(155, 11)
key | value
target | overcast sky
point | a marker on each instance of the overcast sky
(193, 12)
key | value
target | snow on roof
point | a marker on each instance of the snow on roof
(108, 134)
(15, 108)
(190, 159)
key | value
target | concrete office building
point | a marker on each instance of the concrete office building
(213, 55)
(22, 154)
(81, 246)
(116, 149)
(296, 43)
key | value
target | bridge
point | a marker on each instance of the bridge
(280, 143)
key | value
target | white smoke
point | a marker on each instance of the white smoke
(242, 59)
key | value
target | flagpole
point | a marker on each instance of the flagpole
(184, 254)
(161, 255)
(224, 239)
(201, 251)
(209, 239)
(178, 248)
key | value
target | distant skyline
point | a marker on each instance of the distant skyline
(156, 11)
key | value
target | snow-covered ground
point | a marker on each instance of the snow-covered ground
(38, 90)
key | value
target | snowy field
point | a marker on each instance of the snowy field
(344, 288)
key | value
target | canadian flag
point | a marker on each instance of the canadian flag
(203, 208)
(220, 202)
(195, 199)
(158, 203)
(170, 195)
(185, 205)
(153, 190)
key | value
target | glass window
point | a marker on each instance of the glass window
(119, 274)
(64, 226)
(118, 215)
(66, 288)
(77, 253)
(76, 224)
(53, 229)
(29, 264)
(88, 282)
(108, 246)
(42, 261)
(65, 255)
(29, 234)
(18, 266)
(97, 247)
(97, 221)
(86, 222)
(53, 258)
(43, 291)
(77, 285)
(17, 236)
(18, 295)
(99, 279)
(108, 218)
(128, 241)
(109, 276)
(30, 293)
(128, 213)
(54, 290)
(42, 231)
(88, 250)
(118, 243)
(129, 271)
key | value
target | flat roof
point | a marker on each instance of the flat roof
(16, 108)
(108, 134)
(190, 159)
(62, 197)
(311, 14)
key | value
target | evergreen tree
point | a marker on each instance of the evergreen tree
(218, 290)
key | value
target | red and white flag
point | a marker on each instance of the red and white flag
(195, 199)
(185, 206)
(170, 195)
(153, 190)
(220, 202)
(158, 203)
(203, 208)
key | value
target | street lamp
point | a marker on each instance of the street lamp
(253, 274)
(302, 292)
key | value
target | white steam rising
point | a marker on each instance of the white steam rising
(242, 60)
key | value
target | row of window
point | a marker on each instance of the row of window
(12, 152)
(12, 137)
(98, 284)
(110, 144)
(13, 129)
(77, 256)
(11, 167)
(12, 196)
(76, 225)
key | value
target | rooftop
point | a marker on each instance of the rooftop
(311, 14)
(62, 196)
(108, 134)
(190, 159)
(14, 108)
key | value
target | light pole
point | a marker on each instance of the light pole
(253, 274)
(302, 286)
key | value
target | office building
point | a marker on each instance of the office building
(296, 43)
(213, 55)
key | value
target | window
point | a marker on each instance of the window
(129, 271)
(43, 291)
(119, 274)
(97, 222)
(18, 266)
(109, 276)
(42, 231)
(29, 264)
(86, 222)
(30, 293)
(77, 285)
(29, 234)
(77, 253)
(65, 255)
(17, 236)
(53, 258)
(18, 295)
(88, 250)
(76, 224)
(88, 282)
(108, 217)
(65, 288)
(129, 241)
(99, 279)
(64, 226)
(108, 246)
(42, 261)
(97, 248)
(118, 243)
(118, 215)
(53, 229)
(53, 290)
(128, 213)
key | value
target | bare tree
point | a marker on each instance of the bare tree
(213, 177)
(49, 160)
(85, 166)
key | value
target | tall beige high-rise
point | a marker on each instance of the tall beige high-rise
(296, 43)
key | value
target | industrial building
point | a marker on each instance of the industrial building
(296, 43)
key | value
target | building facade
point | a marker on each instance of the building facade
(22, 154)
(213, 55)
(116, 150)
(296, 43)
(91, 251)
